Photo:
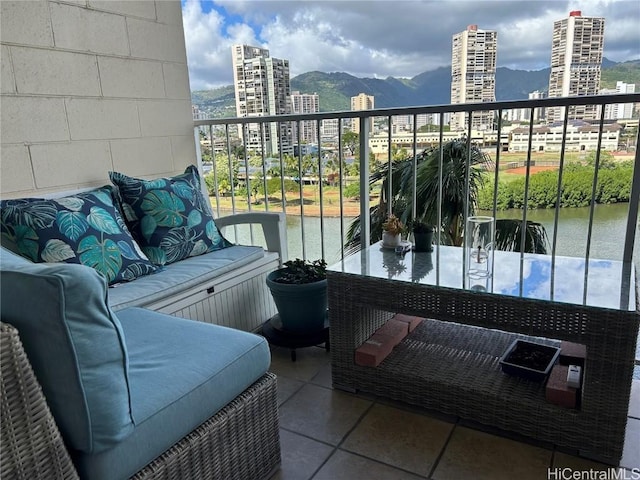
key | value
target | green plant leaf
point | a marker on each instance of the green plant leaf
(194, 218)
(71, 203)
(164, 207)
(155, 255)
(72, 224)
(178, 243)
(103, 256)
(199, 248)
(26, 240)
(36, 214)
(56, 250)
(103, 221)
(148, 225)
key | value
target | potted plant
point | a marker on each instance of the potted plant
(422, 236)
(392, 229)
(529, 360)
(299, 290)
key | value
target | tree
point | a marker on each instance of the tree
(351, 142)
(454, 186)
(606, 159)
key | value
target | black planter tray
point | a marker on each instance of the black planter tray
(529, 360)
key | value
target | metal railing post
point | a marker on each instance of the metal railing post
(365, 217)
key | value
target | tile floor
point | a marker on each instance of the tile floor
(328, 434)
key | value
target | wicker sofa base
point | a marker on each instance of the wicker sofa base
(240, 442)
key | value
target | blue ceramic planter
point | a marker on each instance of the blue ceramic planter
(302, 307)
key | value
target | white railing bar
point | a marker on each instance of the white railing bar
(340, 163)
(264, 167)
(320, 186)
(365, 216)
(556, 216)
(439, 208)
(301, 192)
(390, 168)
(283, 193)
(414, 204)
(467, 191)
(634, 200)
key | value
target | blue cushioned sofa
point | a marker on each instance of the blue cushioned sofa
(134, 392)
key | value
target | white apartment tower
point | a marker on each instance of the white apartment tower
(362, 101)
(305, 103)
(576, 61)
(473, 75)
(262, 88)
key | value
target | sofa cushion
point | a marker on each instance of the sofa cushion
(84, 228)
(76, 347)
(169, 217)
(181, 276)
(182, 372)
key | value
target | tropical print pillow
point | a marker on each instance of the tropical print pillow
(85, 228)
(169, 217)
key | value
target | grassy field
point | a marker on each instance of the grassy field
(351, 207)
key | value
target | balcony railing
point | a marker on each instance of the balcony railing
(241, 179)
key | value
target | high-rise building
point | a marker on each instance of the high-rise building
(614, 111)
(362, 101)
(305, 103)
(262, 88)
(576, 61)
(473, 75)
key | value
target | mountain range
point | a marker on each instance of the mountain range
(428, 88)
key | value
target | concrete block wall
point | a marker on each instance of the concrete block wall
(90, 86)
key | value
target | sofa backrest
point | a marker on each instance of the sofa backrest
(76, 347)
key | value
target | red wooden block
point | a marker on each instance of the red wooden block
(395, 330)
(411, 320)
(557, 390)
(572, 353)
(373, 351)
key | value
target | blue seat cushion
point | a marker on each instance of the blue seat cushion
(180, 276)
(182, 372)
(75, 345)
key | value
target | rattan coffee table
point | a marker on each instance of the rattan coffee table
(450, 363)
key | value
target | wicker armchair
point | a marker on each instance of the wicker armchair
(239, 442)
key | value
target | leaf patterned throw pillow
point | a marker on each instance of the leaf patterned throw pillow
(169, 217)
(85, 228)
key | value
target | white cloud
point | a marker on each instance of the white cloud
(382, 38)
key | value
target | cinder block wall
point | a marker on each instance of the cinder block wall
(91, 86)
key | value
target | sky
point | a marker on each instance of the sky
(378, 38)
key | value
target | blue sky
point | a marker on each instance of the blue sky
(377, 38)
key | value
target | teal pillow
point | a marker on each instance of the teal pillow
(76, 346)
(86, 228)
(169, 217)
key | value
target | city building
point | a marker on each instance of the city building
(262, 87)
(305, 103)
(524, 114)
(581, 136)
(473, 74)
(615, 111)
(576, 61)
(361, 101)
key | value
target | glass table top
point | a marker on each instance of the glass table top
(598, 283)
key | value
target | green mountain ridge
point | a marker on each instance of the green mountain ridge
(428, 88)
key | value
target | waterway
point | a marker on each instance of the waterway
(607, 238)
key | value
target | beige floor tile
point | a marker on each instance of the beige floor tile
(301, 456)
(309, 361)
(347, 466)
(399, 438)
(323, 414)
(634, 402)
(287, 387)
(323, 377)
(631, 453)
(480, 456)
(563, 460)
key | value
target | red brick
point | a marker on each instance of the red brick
(557, 390)
(411, 320)
(395, 330)
(373, 351)
(572, 353)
